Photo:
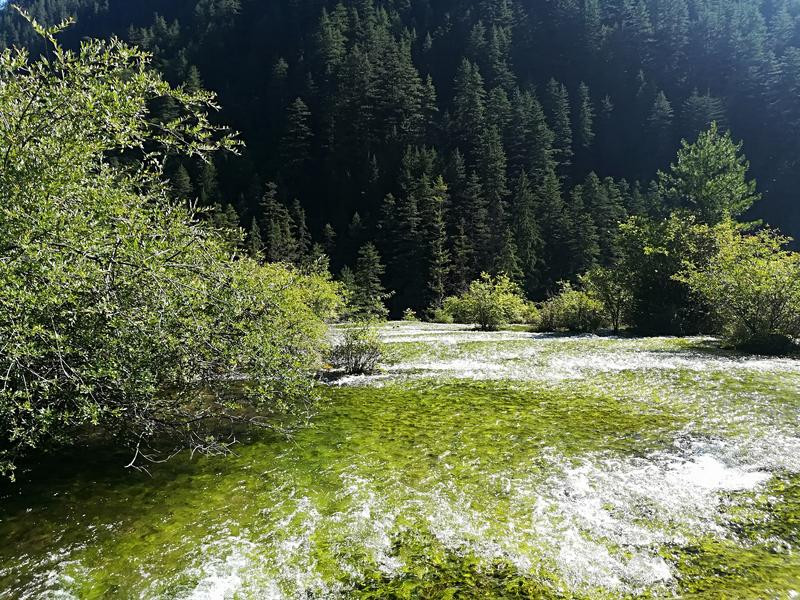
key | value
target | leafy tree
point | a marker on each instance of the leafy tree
(652, 252)
(611, 288)
(752, 283)
(117, 306)
(709, 179)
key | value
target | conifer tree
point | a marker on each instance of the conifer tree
(477, 221)
(582, 242)
(559, 118)
(300, 230)
(507, 261)
(527, 233)
(469, 108)
(369, 295)
(296, 143)
(436, 257)
(182, 184)
(255, 245)
(584, 125)
(329, 240)
(208, 187)
(460, 270)
(660, 127)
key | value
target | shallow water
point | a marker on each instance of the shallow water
(477, 465)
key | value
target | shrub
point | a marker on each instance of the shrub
(441, 315)
(489, 303)
(752, 284)
(120, 312)
(359, 351)
(572, 310)
(409, 315)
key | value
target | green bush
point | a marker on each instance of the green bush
(359, 351)
(752, 284)
(409, 315)
(489, 303)
(572, 310)
(120, 313)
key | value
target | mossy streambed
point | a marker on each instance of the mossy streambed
(477, 465)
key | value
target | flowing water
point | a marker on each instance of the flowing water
(476, 465)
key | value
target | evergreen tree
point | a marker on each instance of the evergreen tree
(296, 143)
(255, 245)
(507, 261)
(699, 112)
(558, 115)
(584, 123)
(369, 295)
(660, 127)
(460, 270)
(436, 257)
(527, 233)
(582, 242)
(709, 179)
(469, 108)
(182, 184)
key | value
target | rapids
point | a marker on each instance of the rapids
(475, 465)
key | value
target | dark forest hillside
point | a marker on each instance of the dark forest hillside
(462, 136)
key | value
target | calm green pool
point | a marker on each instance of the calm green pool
(477, 465)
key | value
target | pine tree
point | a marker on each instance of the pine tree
(255, 244)
(585, 118)
(493, 176)
(527, 233)
(181, 184)
(436, 257)
(555, 228)
(329, 240)
(296, 143)
(369, 295)
(582, 242)
(660, 127)
(461, 252)
(469, 108)
(530, 140)
(558, 112)
(711, 194)
(300, 231)
(699, 112)
(477, 221)
(603, 203)
(208, 187)
(507, 261)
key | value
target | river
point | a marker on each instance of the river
(475, 465)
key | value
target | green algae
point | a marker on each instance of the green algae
(580, 473)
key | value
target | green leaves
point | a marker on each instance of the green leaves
(120, 313)
(753, 284)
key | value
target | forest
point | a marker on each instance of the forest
(453, 138)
